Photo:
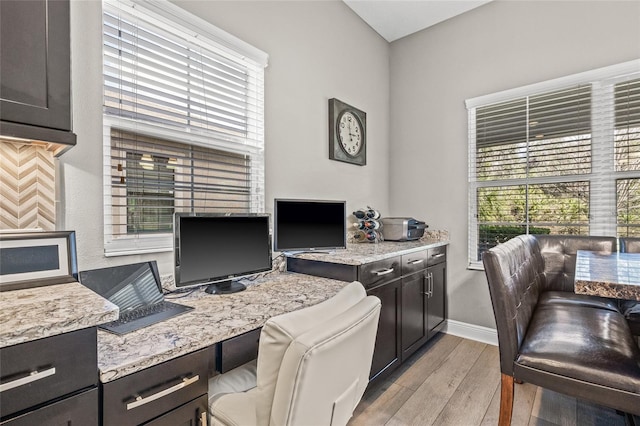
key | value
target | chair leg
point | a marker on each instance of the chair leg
(506, 400)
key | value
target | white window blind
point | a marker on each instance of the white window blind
(627, 156)
(555, 158)
(184, 122)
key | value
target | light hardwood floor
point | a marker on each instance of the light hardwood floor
(455, 381)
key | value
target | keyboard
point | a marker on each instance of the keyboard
(143, 317)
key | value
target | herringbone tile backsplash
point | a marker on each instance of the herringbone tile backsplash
(27, 186)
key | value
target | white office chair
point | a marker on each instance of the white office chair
(312, 369)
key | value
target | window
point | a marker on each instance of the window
(560, 157)
(183, 118)
(627, 156)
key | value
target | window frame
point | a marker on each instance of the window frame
(171, 17)
(602, 179)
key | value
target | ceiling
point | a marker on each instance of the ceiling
(394, 19)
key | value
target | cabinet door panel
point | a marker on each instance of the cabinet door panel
(35, 63)
(386, 355)
(161, 388)
(192, 413)
(238, 350)
(436, 310)
(414, 307)
(78, 410)
(48, 368)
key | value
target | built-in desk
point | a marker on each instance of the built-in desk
(160, 374)
(214, 319)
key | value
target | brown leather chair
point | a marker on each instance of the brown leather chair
(631, 308)
(579, 347)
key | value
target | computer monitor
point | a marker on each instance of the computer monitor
(218, 249)
(309, 225)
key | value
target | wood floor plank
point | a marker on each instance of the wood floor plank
(523, 398)
(468, 404)
(425, 362)
(379, 405)
(492, 414)
(456, 383)
(554, 407)
(595, 415)
(424, 406)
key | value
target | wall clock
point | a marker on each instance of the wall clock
(347, 133)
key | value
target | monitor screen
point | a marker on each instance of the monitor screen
(128, 286)
(309, 225)
(210, 248)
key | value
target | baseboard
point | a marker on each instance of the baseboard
(471, 331)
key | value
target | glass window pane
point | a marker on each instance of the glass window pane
(628, 207)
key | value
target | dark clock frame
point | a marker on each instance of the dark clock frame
(336, 151)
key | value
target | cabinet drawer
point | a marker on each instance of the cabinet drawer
(414, 262)
(38, 371)
(146, 394)
(238, 350)
(380, 272)
(190, 414)
(81, 409)
(437, 255)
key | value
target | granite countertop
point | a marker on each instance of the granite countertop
(38, 312)
(215, 318)
(614, 275)
(362, 253)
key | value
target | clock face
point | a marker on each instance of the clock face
(350, 133)
(347, 133)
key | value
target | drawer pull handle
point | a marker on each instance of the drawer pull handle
(32, 377)
(435, 256)
(384, 272)
(415, 262)
(141, 401)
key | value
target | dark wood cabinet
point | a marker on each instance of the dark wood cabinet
(436, 302)
(35, 70)
(412, 289)
(414, 331)
(153, 393)
(44, 378)
(234, 352)
(193, 413)
(81, 409)
(386, 355)
(423, 299)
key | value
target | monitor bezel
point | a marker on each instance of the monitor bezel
(221, 279)
(315, 248)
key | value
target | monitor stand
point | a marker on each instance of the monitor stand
(225, 287)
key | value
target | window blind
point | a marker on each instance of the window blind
(152, 178)
(164, 77)
(560, 157)
(184, 122)
(627, 156)
(528, 154)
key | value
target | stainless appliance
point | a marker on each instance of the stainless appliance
(402, 228)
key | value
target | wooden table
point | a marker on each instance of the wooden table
(615, 275)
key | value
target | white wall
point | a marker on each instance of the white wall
(317, 50)
(498, 46)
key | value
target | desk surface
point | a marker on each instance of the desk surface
(215, 318)
(615, 275)
(39, 312)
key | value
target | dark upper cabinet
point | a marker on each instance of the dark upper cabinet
(35, 70)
